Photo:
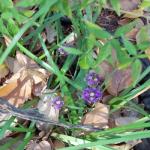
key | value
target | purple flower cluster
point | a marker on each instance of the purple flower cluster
(92, 93)
(57, 102)
(92, 79)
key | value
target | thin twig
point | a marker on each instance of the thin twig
(34, 115)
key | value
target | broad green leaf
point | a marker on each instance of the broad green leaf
(85, 3)
(90, 42)
(103, 2)
(123, 58)
(136, 71)
(81, 75)
(125, 29)
(5, 5)
(105, 51)
(116, 5)
(145, 4)
(3, 29)
(97, 31)
(129, 46)
(86, 61)
(143, 37)
(65, 7)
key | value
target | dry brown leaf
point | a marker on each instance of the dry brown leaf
(129, 5)
(3, 70)
(120, 121)
(29, 79)
(58, 144)
(7, 40)
(98, 117)
(12, 64)
(119, 80)
(105, 69)
(132, 34)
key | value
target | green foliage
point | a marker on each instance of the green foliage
(97, 31)
(143, 38)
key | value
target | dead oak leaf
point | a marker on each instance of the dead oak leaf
(29, 79)
(119, 80)
(115, 80)
(21, 89)
(98, 117)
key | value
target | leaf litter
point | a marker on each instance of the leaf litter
(27, 79)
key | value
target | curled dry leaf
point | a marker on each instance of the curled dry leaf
(98, 117)
(28, 79)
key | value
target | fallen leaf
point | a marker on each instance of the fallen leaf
(98, 117)
(3, 70)
(7, 40)
(129, 5)
(143, 35)
(12, 64)
(58, 144)
(125, 120)
(118, 80)
(132, 34)
(28, 79)
(105, 69)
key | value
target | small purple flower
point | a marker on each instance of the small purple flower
(92, 79)
(62, 52)
(57, 102)
(91, 95)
